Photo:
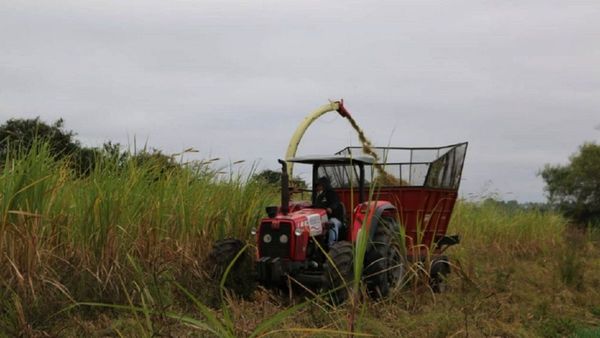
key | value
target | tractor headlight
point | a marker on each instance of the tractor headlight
(267, 238)
(298, 232)
(283, 239)
(253, 231)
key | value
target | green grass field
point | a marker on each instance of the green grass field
(121, 252)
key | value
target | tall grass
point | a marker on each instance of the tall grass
(489, 227)
(133, 237)
(66, 237)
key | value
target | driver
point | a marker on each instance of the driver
(328, 199)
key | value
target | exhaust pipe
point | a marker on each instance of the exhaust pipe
(285, 188)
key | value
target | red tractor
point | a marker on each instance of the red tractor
(405, 219)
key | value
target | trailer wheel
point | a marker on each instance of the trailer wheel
(440, 269)
(240, 279)
(384, 263)
(339, 275)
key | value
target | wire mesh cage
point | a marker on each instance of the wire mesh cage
(432, 167)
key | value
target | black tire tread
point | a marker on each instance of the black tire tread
(376, 265)
(342, 255)
(240, 280)
(440, 269)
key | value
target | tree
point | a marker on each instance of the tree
(274, 177)
(155, 159)
(86, 159)
(575, 187)
(21, 134)
(269, 176)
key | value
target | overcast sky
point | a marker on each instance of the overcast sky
(519, 80)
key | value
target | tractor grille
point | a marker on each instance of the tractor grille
(275, 248)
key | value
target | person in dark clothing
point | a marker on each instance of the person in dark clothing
(328, 199)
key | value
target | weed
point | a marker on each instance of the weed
(558, 327)
(593, 332)
(572, 264)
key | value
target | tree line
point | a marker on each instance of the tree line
(573, 188)
(18, 136)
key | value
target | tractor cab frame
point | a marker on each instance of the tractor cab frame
(319, 161)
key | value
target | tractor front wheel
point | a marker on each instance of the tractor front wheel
(240, 278)
(339, 271)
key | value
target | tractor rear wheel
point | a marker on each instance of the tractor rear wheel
(339, 271)
(240, 279)
(384, 262)
(440, 269)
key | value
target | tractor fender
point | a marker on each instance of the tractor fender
(368, 214)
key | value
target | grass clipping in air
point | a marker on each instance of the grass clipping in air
(383, 178)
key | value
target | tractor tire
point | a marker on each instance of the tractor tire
(339, 275)
(241, 279)
(384, 262)
(440, 269)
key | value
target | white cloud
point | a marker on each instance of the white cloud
(518, 80)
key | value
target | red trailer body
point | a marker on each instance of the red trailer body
(424, 191)
(424, 213)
